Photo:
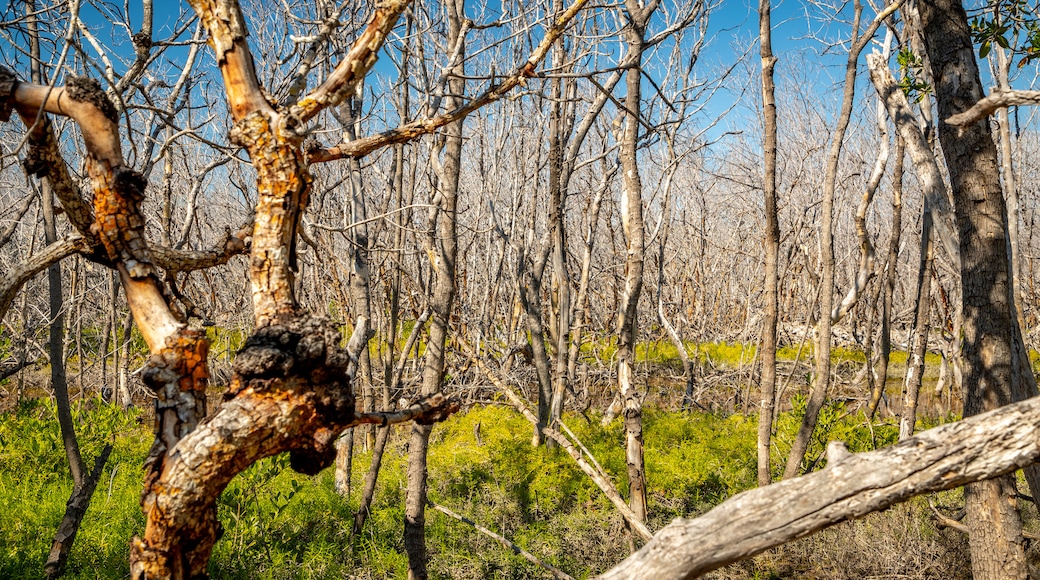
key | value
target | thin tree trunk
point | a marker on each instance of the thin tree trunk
(823, 350)
(889, 286)
(561, 275)
(582, 298)
(75, 509)
(82, 482)
(632, 222)
(369, 489)
(344, 470)
(1010, 185)
(771, 242)
(442, 245)
(919, 343)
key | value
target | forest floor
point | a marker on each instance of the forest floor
(279, 524)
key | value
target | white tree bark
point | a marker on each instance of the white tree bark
(852, 486)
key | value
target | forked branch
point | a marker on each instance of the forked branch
(409, 131)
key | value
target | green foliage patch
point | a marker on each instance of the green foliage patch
(280, 524)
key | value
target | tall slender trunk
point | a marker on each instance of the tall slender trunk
(83, 483)
(826, 292)
(581, 299)
(1010, 185)
(889, 285)
(442, 245)
(561, 282)
(771, 241)
(391, 374)
(919, 343)
(632, 222)
(992, 347)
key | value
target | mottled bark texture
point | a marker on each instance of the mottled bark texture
(996, 366)
(632, 223)
(75, 509)
(290, 391)
(442, 246)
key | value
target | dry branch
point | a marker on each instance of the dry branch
(977, 448)
(998, 99)
(20, 274)
(556, 572)
(589, 466)
(407, 132)
(174, 260)
(355, 65)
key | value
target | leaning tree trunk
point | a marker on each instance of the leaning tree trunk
(992, 348)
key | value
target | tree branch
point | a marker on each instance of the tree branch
(977, 448)
(409, 131)
(23, 272)
(598, 476)
(556, 572)
(998, 99)
(355, 65)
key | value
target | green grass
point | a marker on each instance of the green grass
(279, 524)
(731, 355)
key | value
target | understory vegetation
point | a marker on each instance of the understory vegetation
(279, 524)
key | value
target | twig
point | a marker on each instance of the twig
(505, 542)
(425, 412)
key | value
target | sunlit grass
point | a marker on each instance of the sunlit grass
(280, 524)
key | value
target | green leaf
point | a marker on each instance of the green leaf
(984, 49)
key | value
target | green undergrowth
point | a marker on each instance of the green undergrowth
(732, 355)
(281, 525)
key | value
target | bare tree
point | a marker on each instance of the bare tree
(771, 237)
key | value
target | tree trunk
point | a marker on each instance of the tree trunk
(823, 350)
(889, 285)
(771, 243)
(1010, 186)
(82, 482)
(561, 281)
(632, 222)
(442, 245)
(919, 343)
(992, 348)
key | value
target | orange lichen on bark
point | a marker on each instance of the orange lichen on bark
(178, 376)
(283, 188)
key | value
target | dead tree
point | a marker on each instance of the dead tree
(291, 389)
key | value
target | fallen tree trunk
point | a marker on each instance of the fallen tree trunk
(978, 448)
